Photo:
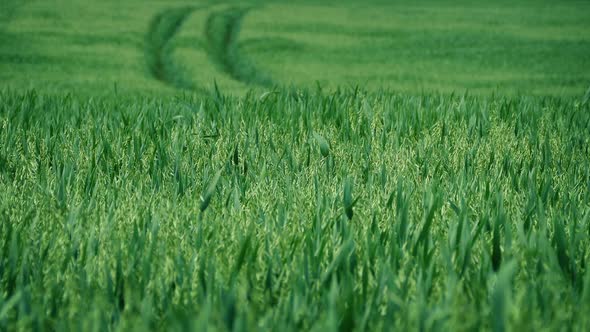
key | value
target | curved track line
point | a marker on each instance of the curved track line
(163, 27)
(221, 32)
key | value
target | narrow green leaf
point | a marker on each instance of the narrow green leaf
(323, 143)
(347, 198)
(206, 198)
(496, 250)
(8, 305)
(501, 297)
(345, 250)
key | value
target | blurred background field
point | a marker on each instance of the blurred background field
(526, 47)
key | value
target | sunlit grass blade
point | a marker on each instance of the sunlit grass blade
(206, 197)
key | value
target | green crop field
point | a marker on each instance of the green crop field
(287, 166)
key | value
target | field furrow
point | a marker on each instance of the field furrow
(159, 48)
(222, 33)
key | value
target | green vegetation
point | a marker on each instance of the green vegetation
(222, 32)
(536, 47)
(184, 166)
(347, 210)
(158, 50)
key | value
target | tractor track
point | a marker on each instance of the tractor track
(222, 30)
(159, 49)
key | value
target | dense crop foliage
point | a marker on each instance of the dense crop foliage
(294, 210)
(305, 165)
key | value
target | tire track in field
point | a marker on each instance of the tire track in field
(222, 30)
(159, 49)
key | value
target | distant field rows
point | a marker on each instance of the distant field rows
(537, 48)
